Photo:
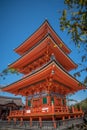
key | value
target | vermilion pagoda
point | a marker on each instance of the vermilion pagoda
(45, 64)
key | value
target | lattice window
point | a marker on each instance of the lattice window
(44, 100)
(29, 103)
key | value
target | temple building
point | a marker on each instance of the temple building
(7, 104)
(45, 63)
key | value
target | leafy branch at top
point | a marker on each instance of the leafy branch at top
(74, 19)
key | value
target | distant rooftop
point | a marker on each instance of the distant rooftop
(6, 100)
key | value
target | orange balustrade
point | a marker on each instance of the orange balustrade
(44, 110)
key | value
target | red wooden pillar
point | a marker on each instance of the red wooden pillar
(63, 118)
(61, 102)
(54, 122)
(74, 116)
(40, 101)
(26, 101)
(55, 100)
(40, 121)
(30, 121)
(49, 99)
(73, 109)
(80, 109)
(21, 121)
(53, 109)
(9, 120)
(78, 116)
(69, 117)
(14, 120)
(67, 108)
(32, 102)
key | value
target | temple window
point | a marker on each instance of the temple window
(29, 103)
(52, 100)
(44, 100)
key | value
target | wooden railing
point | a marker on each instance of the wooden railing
(44, 110)
(29, 111)
(61, 109)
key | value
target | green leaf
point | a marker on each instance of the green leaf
(83, 58)
(64, 13)
(85, 80)
(77, 74)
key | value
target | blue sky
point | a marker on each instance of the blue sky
(18, 20)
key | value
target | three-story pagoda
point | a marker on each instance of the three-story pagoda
(45, 64)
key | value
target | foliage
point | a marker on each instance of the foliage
(82, 104)
(7, 71)
(74, 20)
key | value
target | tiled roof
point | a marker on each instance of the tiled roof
(5, 100)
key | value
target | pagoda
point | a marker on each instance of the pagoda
(46, 83)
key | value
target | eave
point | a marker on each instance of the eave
(39, 50)
(43, 30)
(60, 76)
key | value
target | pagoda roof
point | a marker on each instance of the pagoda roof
(63, 82)
(43, 30)
(38, 50)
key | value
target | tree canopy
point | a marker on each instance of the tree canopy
(74, 20)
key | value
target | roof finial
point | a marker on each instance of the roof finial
(45, 18)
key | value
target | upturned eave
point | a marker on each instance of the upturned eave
(39, 50)
(60, 77)
(43, 30)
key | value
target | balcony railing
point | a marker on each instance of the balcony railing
(44, 110)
